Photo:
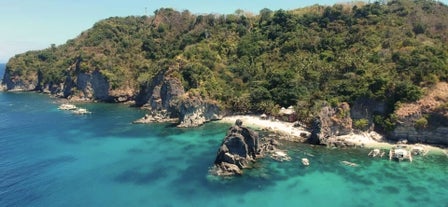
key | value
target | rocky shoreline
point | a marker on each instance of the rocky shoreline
(287, 131)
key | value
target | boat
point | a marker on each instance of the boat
(280, 156)
(305, 162)
(376, 153)
(67, 107)
(400, 153)
(419, 150)
(351, 164)
(81, 111)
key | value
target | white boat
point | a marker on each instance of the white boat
(81, 111)
(400, 153)
(67, 107)
(305, 162)
(351, 164)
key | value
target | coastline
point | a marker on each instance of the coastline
(369, 140)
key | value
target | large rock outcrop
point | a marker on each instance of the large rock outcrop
(194, 111)
(330, 123)
(238, 149)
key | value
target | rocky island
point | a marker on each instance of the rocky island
(240, 148)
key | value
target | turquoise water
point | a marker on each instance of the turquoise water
(53, 158)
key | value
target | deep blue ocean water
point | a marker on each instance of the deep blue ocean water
(54, 158)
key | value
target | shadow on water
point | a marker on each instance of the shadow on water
(139, 176)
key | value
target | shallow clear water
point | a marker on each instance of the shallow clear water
(53, 158)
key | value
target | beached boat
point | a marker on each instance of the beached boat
(376, 153)
(400, 153)
(67, 107)
(419, 150)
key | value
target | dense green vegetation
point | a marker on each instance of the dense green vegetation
(387, 52)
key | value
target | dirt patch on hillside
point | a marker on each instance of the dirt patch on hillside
(435, 97)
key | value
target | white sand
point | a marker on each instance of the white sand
(284, 128)
(368, 140)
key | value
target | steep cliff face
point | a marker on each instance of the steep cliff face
(194, 111)
(331, 122)
(166, 95)
(91, 86)
(366, 109)
(161, 93)
(17, 82)
(426, 120)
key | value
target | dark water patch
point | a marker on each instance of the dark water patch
(360, 179)
(140, 177)
(305, 191)
(293, 185)
(391, 189)
(412, 188)
(136, 151)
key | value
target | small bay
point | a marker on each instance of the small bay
(55, 158)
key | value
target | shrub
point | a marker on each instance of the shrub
(361, 124)
(421, 123)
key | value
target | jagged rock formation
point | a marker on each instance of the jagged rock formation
(238, 149)
(331, 122)
(241, 147)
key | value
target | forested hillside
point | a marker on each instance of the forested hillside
(257, 63)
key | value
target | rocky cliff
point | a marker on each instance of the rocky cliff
(425, 121)
(330, 123)
(194, 111)
(166, 98)
(77, 85)
(19, 82)
(164, 95)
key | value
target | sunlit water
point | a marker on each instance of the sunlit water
(54, 158)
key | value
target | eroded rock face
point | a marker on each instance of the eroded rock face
(437, 136)
(194, 112)
(331, 122)
(161, 94)
(93, 86)
(13, 82)
(237, 151)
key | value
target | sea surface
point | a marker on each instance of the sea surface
(54, 158)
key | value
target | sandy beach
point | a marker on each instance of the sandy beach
(367, 139)
(279, 127)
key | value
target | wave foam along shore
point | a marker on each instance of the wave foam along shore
(367, 140)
